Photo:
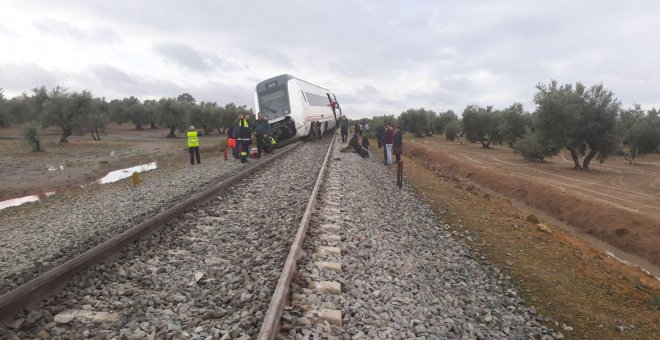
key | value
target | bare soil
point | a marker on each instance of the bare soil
(570, 282)
(616, 202)
(65, 166)
(566, 279)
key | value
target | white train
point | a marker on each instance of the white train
(295, 108)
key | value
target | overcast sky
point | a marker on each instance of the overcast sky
(378, 57)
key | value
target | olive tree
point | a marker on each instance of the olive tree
(172, 114)
(644, 136)
(513, 124)
(66, 110)
(31, 134)
(441, 120)
(453, 130)
(417, 121)
(579, 119)
(96, 117)
(481, 125)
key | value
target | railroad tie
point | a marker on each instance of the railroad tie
(327, 240)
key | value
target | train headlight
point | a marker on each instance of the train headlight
(286, 111)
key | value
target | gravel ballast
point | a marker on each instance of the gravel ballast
(208, 274)
(36, 237)
(404, 274)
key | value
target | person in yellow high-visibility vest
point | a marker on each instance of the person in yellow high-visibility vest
(244, 138)
(193, 145)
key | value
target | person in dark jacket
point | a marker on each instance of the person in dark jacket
(244, 138)
(343, 124)
(262, 134)
(365, 142)
(380, 133)
(397, 146)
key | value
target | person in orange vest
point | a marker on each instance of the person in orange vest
(193, 145)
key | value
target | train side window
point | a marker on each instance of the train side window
(316, 100)
(303, 94)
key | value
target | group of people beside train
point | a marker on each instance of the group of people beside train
(389, 136)
(239, 138)
(241, 133)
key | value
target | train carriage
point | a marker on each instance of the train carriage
(295, 108)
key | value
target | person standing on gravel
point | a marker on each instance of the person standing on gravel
(397, 146)
(262, 133)
(244, 138)
(234, 134)
(388, 140)
(343, 124)
(380, 133)
(193, 145)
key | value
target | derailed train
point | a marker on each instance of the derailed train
(295, 108)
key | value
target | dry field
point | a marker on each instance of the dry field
(575, 286)
(82, 160)
(616, 202)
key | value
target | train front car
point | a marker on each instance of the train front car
(295, 108)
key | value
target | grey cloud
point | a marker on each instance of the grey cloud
(24, 77)
(188, 57)
(518, 42)
(183, 55)
(222, 93)
(60, 29)
(111, 76)
(116, 81)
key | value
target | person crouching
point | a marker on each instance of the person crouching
(262, 134)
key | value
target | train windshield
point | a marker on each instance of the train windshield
(274, 103)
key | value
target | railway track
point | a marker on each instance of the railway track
(262, 259)
(210, 271)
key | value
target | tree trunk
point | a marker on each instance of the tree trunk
(172, 129)
(576, 159)
(206, 130)
(153, 125)
(219, 132)
(66, 132)
(587, 160)
(138, 126)
(98, 134)
(484, 144)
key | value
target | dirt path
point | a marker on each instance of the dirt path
(616, 202)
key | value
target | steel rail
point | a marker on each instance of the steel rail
(271, 324)
(48, 283)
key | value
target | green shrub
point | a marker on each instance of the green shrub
(532, 147)
(31, 134)
(452, 129)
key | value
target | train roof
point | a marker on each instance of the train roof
(283, 78)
